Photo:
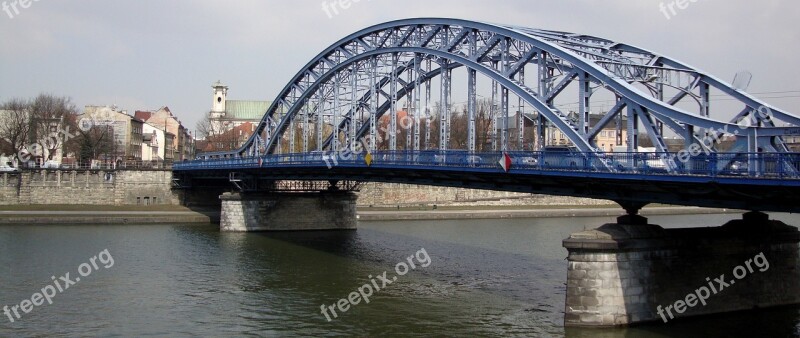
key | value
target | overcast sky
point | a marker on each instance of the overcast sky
(146, 54)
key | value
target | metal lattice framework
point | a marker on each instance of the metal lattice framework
(338, 99)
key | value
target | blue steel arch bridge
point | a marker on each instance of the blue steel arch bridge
(469, 104)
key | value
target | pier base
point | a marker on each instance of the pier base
(244, 212)
(632, 272)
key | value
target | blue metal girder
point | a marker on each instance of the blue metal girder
(565, 46)
(774, 189)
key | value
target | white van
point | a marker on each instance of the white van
(51, 164)
(6, 166)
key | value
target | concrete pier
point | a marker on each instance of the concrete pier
(632, 272)
(327, 210)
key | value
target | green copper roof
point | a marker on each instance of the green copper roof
(246, 110)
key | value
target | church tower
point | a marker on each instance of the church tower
(220, 96)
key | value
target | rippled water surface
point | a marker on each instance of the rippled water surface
(485, 278)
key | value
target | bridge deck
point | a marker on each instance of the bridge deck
(716, 180)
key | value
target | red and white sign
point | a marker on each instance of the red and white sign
(505, 162)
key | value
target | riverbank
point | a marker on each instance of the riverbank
(102, 214)
(120, 215)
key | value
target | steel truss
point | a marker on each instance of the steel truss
(339, 98)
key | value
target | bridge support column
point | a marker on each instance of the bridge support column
(328, 210)
(631, 271)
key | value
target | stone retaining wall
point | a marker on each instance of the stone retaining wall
(391, 194)
(88, 187)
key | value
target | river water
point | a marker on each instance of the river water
(469, 278)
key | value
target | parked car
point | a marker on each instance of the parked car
(51, 165)
(638, 162)
(526, 161)
(563, 157)
(474, 159)
(737, 168)
(7, 167)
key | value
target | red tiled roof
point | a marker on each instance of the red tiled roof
(143, 115)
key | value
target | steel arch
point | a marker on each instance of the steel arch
(614, 66)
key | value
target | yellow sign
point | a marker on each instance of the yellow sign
(368, 159)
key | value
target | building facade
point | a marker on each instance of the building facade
(169, 147)
(125, 132)
(793, 142)
(182, 145)
(153, 144)
(613, 136)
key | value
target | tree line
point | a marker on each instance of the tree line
(37, 128)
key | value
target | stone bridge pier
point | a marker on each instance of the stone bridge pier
(288, 211)
(632, 272)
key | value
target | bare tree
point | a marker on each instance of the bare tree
(459, 128)
(435, 121)
(483, 124)
(39, 127)
(94, 142)
(206, 127)
(53, 123)
(14, 126)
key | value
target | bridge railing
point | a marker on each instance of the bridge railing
(772, 165)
